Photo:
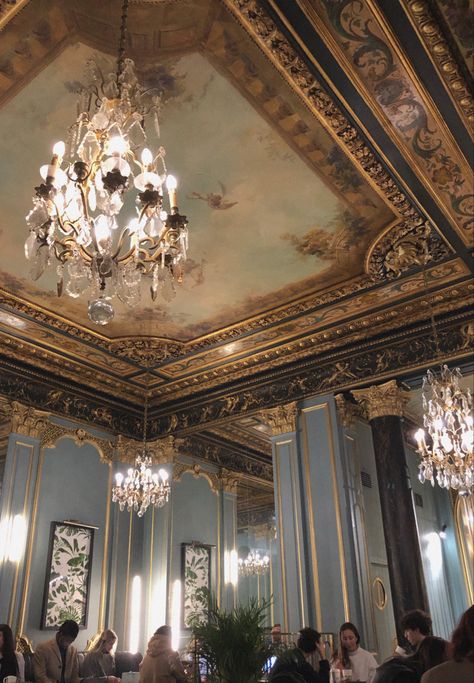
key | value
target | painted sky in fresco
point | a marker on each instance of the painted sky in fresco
(253, 205)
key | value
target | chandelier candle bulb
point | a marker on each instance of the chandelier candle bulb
(171, 185)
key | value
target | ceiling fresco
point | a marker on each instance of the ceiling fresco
(322, 151)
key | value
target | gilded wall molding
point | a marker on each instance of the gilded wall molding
(281, 419)
(52, 433)
(8, 9)
(382, 399)
(432, 36)
(197, 471)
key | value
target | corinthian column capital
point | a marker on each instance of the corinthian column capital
(382, 399)
(26, 420)
(281, 419)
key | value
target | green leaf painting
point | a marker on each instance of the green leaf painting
(196, 584)
(69, 569)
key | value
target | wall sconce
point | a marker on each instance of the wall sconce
(176, 614)
(135, 612)
(13, 532)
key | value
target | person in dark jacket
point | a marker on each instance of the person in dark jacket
(294, 661)
(431, 652)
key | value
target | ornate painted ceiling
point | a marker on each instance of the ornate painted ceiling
(322, 147)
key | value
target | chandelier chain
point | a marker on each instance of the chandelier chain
(430, 303)
(121, 47)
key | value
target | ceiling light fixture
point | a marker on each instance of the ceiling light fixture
(141, 487)
(447, 457)
(74, 220)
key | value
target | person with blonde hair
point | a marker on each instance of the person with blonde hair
(100, 661)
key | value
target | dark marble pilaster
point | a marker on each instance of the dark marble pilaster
(384, 405)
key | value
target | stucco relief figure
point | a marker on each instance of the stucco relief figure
(214, 200)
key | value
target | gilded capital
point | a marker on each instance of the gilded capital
(229, 480)
(347, 410)
(382, 399)
(27, 421)
(281, 419)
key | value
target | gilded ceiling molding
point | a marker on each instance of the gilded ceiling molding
(196, 470)
(347, 411)
(26, 420)
(229, 480)
(432, 36)
(52, 433)
(161, 451)
(404, 247)
(338, 371)
(295, 70)
(8, 9)
(281, 419)
(382, 399)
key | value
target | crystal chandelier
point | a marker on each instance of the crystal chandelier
(141, 487)
(448, 457)
(254, 564)
(74, 220)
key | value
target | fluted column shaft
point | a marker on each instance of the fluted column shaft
(384, 405)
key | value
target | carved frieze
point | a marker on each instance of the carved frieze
(382, 399)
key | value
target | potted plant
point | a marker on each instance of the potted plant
(233, 643)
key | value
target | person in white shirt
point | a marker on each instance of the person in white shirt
(351, 656)
(11, 662)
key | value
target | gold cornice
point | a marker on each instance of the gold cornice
(432, 36)
(382, 399)
(8, 9)
(52, 433)
(281, 419)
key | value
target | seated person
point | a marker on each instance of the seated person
(351, 656)
(161, 663)
(431, 652)
(460, 668)
(100, 661)
(55, 661)
(294, 661)
(416, 625)
(11, 662)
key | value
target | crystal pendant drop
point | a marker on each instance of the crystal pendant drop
(100, 311)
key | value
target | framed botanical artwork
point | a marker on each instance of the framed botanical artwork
(196, 571)
(68, 574)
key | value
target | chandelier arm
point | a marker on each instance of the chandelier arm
(115, 255)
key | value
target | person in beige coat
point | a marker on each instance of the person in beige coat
(460, 669)
(55, 661)
(161, 663)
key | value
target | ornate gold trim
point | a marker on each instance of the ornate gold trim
(382, 399)
(229, 480)
(27, 421)
(432, 37)
(347, 411)
(162, 451)
(52, 433)
(197, 471)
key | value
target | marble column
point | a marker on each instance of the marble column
(384, 405)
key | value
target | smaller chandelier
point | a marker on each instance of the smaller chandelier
(141, 487)
(254, 564)
(447, 458)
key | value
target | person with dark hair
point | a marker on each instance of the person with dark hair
(431, 652)
(351, 656)
(294, 661)
(416, 625)
(11, 662)
(461, 666)
(161, 663)
(55, 661)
